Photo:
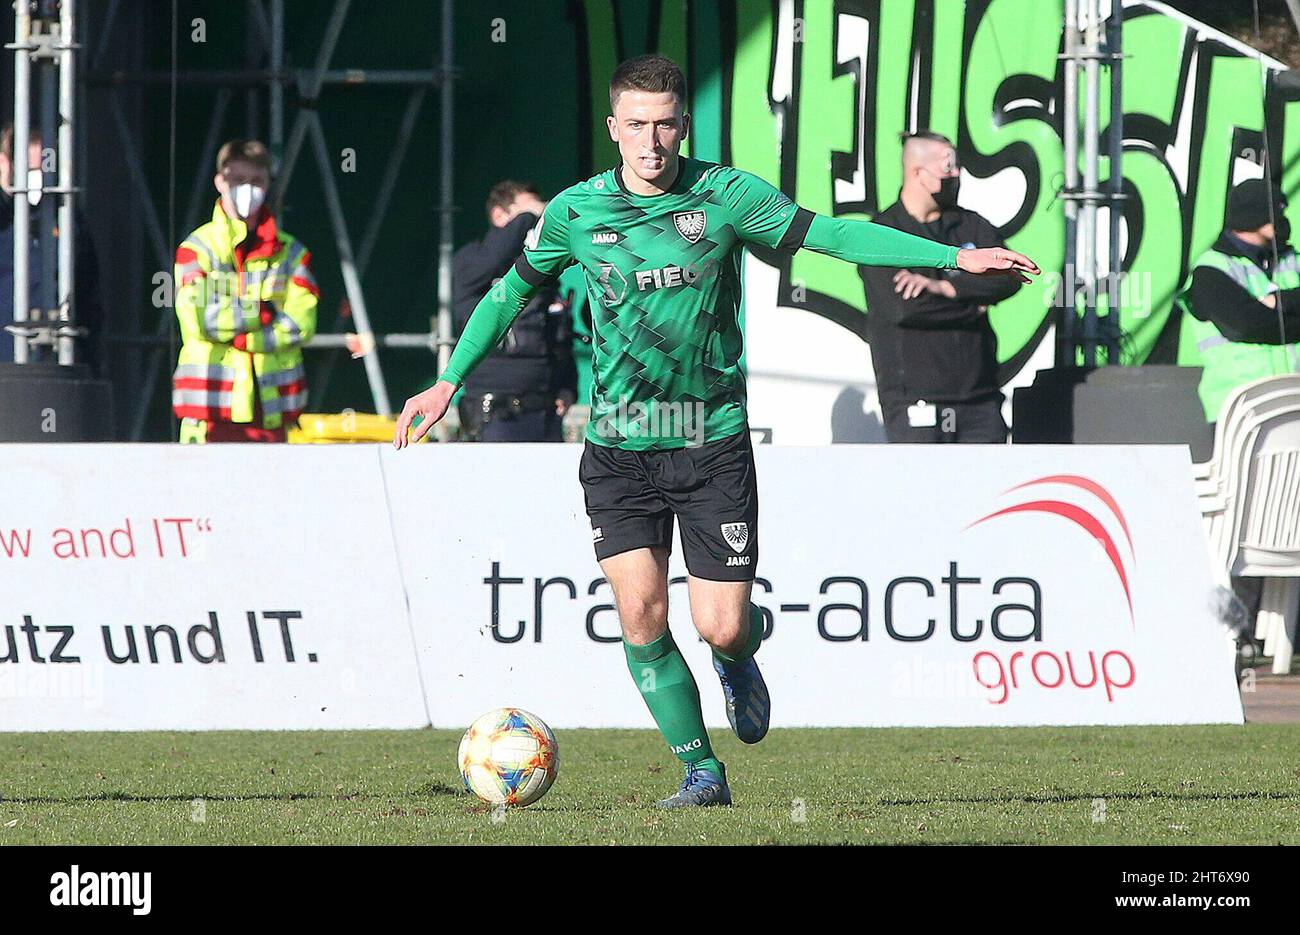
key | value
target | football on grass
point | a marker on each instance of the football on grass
(508, 757)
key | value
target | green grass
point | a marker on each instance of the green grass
(1040, 785)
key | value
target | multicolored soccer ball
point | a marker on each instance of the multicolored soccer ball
(508, 757)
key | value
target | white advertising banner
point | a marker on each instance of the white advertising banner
(284, 587)
(187, 587)
(903, 585)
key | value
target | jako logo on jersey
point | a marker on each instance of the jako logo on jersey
(737, 536)
(737, 560)
(690, 224)
(596, 534)
(606, 237)
(688, 747)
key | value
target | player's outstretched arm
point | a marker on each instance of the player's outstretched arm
(765, 215)
(487, 325)
(868, 244)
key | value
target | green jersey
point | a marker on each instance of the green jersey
(663, 280)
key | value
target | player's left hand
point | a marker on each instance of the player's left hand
(996, 260)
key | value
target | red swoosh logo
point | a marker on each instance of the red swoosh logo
(1082, 518)
(1094, 488)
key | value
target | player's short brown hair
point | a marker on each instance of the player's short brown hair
(654, 73)
(505, 192)
(251, 151)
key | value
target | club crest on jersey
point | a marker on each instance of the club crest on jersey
(737, 536)
(613, 284)
(690, 224)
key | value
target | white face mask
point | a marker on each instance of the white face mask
(247, 199)
(34, 183)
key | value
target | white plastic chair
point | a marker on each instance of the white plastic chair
(1232, 413)
(1218, 495)
(1204, 470)
(1254, 522)
(1267, 544)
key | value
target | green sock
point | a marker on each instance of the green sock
(668, 688)
(752, 641)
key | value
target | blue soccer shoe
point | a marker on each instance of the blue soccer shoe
(700, 789)
(748, 706)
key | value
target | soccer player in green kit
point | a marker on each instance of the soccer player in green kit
(659, 238)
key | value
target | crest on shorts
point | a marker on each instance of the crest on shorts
(690, 224)
(737, 536)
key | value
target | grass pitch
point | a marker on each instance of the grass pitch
(1145, 785)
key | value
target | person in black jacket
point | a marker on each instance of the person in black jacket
(933, 349)
(521, 392)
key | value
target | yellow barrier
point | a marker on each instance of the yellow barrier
(335, 428)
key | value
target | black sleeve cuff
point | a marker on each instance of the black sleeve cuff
(530, 275)
(793, 237)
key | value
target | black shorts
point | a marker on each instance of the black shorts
(632, 497)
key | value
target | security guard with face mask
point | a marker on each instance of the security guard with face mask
(932, 347)
(1242, 299)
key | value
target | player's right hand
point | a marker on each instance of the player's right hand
(432, 404)
(996, 260)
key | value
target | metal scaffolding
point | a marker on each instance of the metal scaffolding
(44, 41)
(1086, 23)
(265, 70)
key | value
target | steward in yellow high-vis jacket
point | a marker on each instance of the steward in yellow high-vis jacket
(1241, 302)
(246, 302)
